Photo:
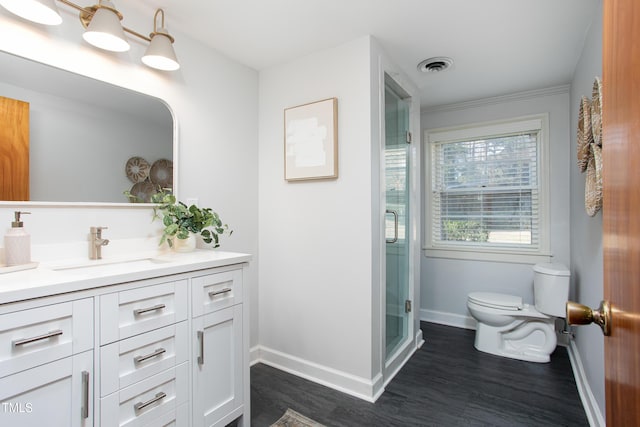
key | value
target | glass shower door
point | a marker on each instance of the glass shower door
(396, 157)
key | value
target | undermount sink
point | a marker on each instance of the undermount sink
(113, 266)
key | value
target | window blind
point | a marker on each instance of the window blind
(485, 192)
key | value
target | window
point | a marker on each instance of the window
(487, 191)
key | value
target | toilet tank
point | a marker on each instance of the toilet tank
(551, 288)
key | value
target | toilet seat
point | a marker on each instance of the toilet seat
(496, 301)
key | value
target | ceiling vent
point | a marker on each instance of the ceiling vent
(435, 64)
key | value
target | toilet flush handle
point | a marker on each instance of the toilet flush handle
(578, 314)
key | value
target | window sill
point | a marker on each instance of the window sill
(512, 257)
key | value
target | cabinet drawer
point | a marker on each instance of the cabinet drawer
(128, 361)
(216, 291)
(40, 335)
(177, 418)
(136, 311)
(142, 403)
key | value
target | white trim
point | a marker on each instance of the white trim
(497, 127)
(362, 388)
(479, 255)
(470, 131)
(448, 319)
(591, 408)
(554, 90)
(254, 355)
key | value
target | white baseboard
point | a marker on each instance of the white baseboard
(589, 403)
(359, 387)
(254, 355)
(449, 319)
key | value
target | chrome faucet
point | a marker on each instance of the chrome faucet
(97, 242)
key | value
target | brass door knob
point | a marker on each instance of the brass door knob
(578, 314)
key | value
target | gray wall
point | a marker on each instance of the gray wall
(586, 232)
(446, 282)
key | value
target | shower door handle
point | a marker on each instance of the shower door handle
(395, 225)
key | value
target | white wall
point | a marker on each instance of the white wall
(446, 282)
(321, 311)
(586, 232)
(214, 101)
(315, 237)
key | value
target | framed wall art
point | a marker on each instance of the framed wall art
(311, 141)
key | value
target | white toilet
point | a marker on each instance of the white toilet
(507, 327)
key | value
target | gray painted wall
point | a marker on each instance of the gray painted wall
(576, 237)
(446, 282)
(586, 232)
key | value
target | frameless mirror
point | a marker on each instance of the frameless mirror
(87, 141)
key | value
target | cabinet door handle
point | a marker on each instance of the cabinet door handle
(201, 352)
(140, 311)
(48, 335)
(141, 405)
(220, 292)
(84, 409)
(157, 352)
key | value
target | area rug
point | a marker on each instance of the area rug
(293, 419)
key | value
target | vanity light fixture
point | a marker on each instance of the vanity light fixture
(41, 11)
(103, 28)
(160, 53)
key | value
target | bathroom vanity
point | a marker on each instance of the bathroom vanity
(148, 340)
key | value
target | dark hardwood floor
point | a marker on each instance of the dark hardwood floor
(446, 383)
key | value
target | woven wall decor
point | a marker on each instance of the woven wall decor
(589, 147)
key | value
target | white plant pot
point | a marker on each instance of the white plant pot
(185, 245)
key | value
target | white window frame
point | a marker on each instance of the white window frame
(538, 122)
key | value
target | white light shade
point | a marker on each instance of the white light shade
(39, 11)
(160, 53)
(105, 31)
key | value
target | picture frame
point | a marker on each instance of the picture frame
(311, 141)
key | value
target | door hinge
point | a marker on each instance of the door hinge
(407, 306)
(408, 136)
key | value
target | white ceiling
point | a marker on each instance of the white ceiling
(499, 46)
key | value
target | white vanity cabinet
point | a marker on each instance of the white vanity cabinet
(157, 346)
(219, 359)
(46, 365)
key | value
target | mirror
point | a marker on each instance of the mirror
(88, 141)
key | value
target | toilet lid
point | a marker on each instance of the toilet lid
(499, 301)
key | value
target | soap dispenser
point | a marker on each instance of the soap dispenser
(17, 243)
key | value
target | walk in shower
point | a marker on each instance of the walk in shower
(396, 151)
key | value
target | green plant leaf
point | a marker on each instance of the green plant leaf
(179, 220)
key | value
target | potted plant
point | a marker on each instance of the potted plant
(181, 221)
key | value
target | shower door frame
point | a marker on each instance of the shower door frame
(392, 364)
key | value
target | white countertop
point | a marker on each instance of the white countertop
(71, 275)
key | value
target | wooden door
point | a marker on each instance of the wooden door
(14, 149)
(621, 210)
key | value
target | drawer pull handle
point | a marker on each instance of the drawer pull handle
(48, 335)
(140, 311)
(141, 405)
(201, 352)
(220, 292)
(84, 409)
(157, 352)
